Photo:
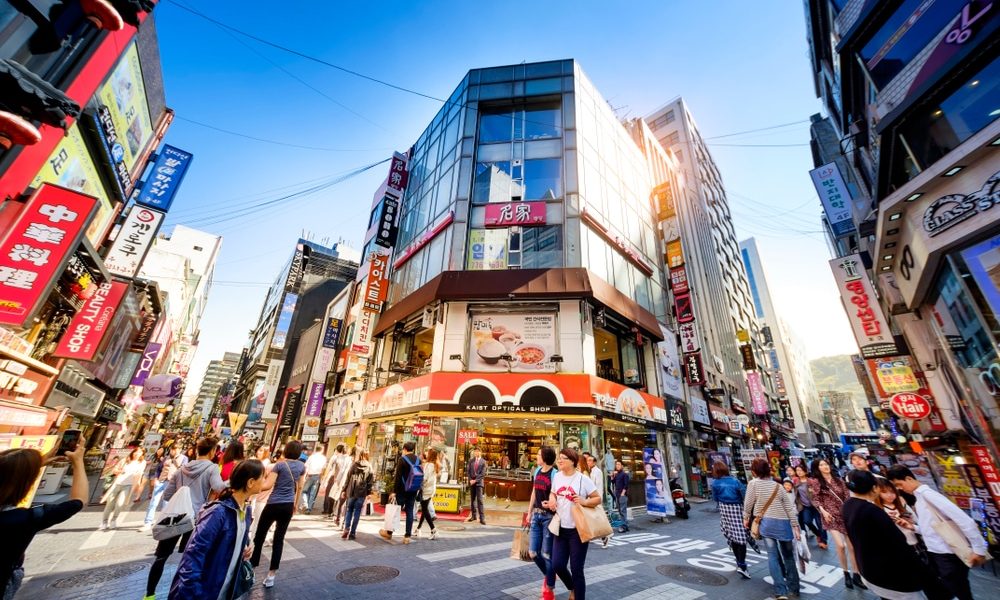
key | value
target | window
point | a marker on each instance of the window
(543, 179)
(496, 128)
(619, 359)
(515, 247)
(522, 123)
(680, 157)
(673, 138)
(494, 183)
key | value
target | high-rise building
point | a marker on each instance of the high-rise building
(907, 165)
(217, 375)
(313, 276)
(793, 380)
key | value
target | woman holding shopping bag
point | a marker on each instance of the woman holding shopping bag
(773, 518)
(127, 476)
(569, 487)
(210, 567)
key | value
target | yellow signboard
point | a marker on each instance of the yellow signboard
(71, 166)
(125, 96)
(446, 499)
(743, 336)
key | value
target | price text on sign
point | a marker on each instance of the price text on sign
(910, 406)
(468, 436)
(421, 429)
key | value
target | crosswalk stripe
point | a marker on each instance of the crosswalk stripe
(98, 539)
(529, 591)
(491, 567)
(332, 540)
(463, 552)
(667, 590)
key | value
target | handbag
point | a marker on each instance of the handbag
(755, 524)
(591, 523)
(952, 535)
(519, 548)
(243, 580)
(177, 517)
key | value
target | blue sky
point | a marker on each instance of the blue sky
(739, 65)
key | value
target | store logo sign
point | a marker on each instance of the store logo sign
(948, 211)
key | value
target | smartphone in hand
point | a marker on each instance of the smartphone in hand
(70, 440)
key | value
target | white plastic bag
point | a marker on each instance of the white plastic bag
(803, 553)
(177, 517)
(391, 517)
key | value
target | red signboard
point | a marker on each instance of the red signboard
(515, 213)
(989, 470)
(421, 429)
(684, 308)
(35, 250)
(679, 280)
(468, 436)
(377, 287)
(86, 331)
(694, 373)
(910, 406)
(758, 401)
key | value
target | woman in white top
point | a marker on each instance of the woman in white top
(569, 487)
(127, 476)
(432, 467)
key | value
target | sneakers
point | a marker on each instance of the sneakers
(470, 519)
(781, 597)
(146, 527)
(604, 541)
(113, 524)
(434, 534)
(547, 593)
(103, 527)
(151, 597)
(416, 533)
(351, 537)
(406, 539)
(269, 581)
(385, 535)
(743, 572)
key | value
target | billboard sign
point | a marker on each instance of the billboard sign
(165, 178)
(487, 250)
(377, 286)
(835, 198)
(387, 231)
(689, 337)
(284, 321)
(507, 214)
(679, 280)
(271, 380)
(133, 241)
(145, 369)
(684, 308)
(91, 323)
(123, 98)
(863, 310)
(527, 340)
(892, 375)
(670, 364)
(332, 333)
(398, 174)
(758, 401)
(36, 248)
(693, 370)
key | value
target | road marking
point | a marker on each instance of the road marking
(529, 591)
(667, 590)
(463, 552)
(492, 566)
(332, 540)
(98, 539)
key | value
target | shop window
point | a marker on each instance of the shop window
(619, 358)
(409, 355)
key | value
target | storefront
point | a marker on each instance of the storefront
(24, 382)
(509, 416)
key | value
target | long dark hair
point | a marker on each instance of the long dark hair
(19, 468)
(241, 476)
(815, 473)
(233, 452)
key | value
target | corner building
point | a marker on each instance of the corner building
(527, 291)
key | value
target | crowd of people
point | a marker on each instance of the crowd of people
(893, 535)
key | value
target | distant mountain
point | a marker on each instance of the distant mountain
(837, 373)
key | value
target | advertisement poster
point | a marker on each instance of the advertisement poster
(72, 167)
(124, 95)
(982, 500)
(574, 435)
(527, 341)
(487, 249)
(747, 456)
(658, 500)
(892, 375)
(670, 364)
(284, 321)
(950, 473)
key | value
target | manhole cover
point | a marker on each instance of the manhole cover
(452, 528)
(99, 575)
(367, 575)
(121, 553)
(694, 575)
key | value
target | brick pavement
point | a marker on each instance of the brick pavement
(467, 561)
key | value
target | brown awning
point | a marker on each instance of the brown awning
(523, 284)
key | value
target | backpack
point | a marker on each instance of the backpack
(415, 480)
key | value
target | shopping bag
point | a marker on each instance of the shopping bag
(803, 553)
(591, 523)
(391, 517)
(177, 517)
(520, 545)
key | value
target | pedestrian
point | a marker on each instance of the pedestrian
(595, 474)
(767, 501)
(20, 468)
(890, 567)
(259, 500)
(285, 482)
(192, 454)
(127, 476)
(730, 494)
(230, 458)
(620, 482)
(790, 474)
(858, 461)
(220, 540)
(829, 493)
(315, 465)
(475, 472)
(541, 513)
(809, 516)
(934, 507)
(894, 506)
(360, 480)
(201, 477)
(404, 489)
(171, 462)
(153, 468)
(336, 477)
(432, 468)
(569, 487)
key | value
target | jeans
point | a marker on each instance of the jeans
(310, 491)
(623, 509)
(354, 508)
(279, 514)
(810, 517)
(119, 497)
(164, 548)
(154, 503)
(781, 564)
(953, 573)
(476, 500)
(567, 548)
(426, 512)
(540, 541)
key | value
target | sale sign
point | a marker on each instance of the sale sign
(421, 429)
(468, 436)
(36, 247)
(86, 331)
(910, 406)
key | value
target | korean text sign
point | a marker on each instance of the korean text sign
(863, 311)
(515, 213)
(89, 326)
(36, 248)
(835, 198)
(168, 171)
(758, 403)
(133, 241)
